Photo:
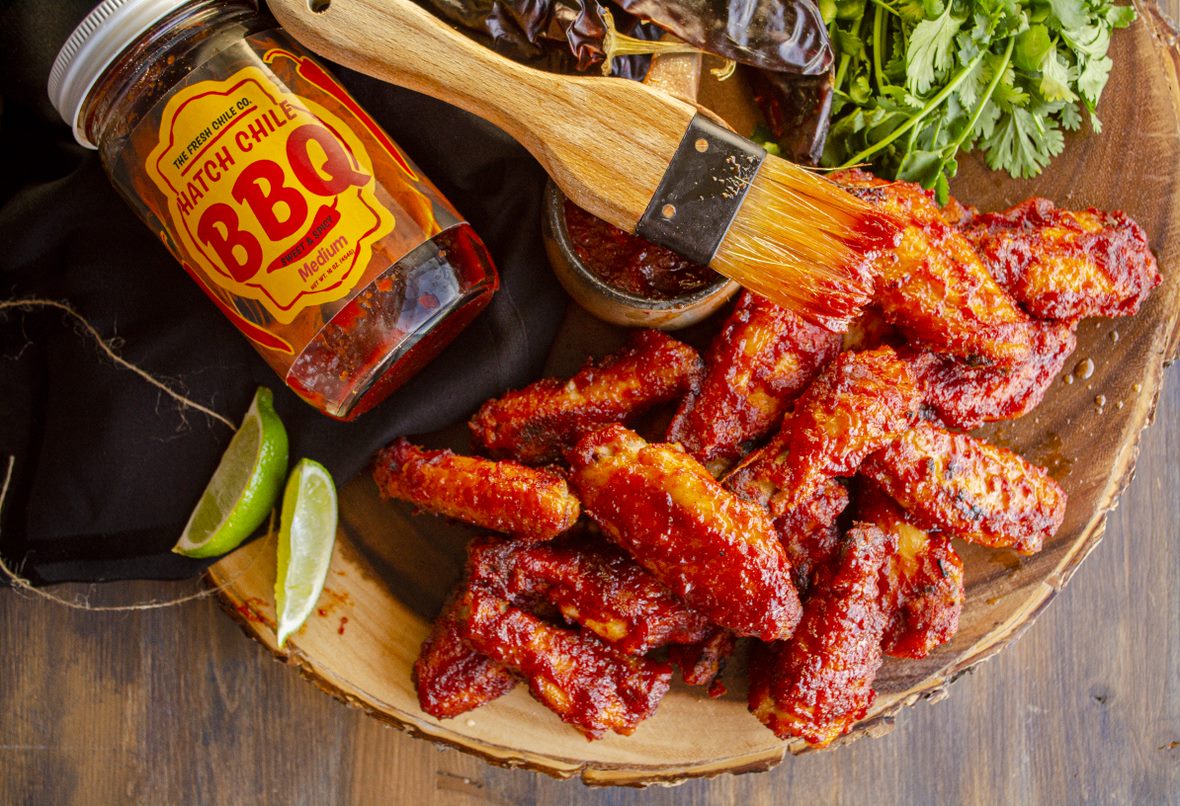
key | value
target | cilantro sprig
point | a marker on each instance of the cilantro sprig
(918, 80)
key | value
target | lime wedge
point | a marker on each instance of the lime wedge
(243, 488)
(306, 536)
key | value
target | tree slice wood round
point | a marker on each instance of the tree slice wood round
(392, 569)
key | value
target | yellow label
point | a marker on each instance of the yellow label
(272, 195)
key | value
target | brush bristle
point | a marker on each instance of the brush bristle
(804, 243)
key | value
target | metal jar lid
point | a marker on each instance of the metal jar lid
(93, 46)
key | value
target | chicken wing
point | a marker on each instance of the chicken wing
(502, 496)
(970, 489)
(539, 423)
(586, 683)
(870, 331)
(858, 404)
(818, 684)
(450, 676)
(933, 286)
(718, 553)
(958, 214)
(592, 583)
(1064, 264)
(923, 580)
(967, 397)
(701, 663)
(809, 531)
(761, 360)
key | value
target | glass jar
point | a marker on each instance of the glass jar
(281, 198)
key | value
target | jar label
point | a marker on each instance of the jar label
(273, 195)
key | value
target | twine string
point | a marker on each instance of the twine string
(30, 303)
(23, 584)
(79, 603)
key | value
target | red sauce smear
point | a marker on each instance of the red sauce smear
(631, 264)
(250, 611)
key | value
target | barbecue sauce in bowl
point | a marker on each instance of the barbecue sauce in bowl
(630, 263)
(623, 279)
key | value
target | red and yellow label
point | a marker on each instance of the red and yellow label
(272, 195)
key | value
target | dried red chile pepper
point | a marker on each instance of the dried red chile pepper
(783, 43)
(777, 35)
(797, 110)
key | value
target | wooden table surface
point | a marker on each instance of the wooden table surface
(177, 706)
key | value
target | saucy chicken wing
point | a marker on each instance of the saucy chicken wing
(450, 676)
(818, 684)
(933, 286)
(592, 583)
(1064, 264)
(538, 423)
(967, 397)
(858, 404)
(764, 356)
(589, 685)
(715, 551)
(970, 489)
(958, 214)
(809, 531)
(701, 663)
(923, 580)
(502, 496)
(870, 331)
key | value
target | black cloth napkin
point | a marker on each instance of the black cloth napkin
(107, 468)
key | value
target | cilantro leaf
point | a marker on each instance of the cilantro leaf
(1032, 48)
(1093, 79)
(930, 50)
(911, 11)
(973, 83)
(1070, 14)
(1022, 144)
(1071, 117)
(1056, 78)
(1120, 16)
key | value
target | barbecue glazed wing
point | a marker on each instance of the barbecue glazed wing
(967, 397)
(538, 423)
(450, 676)
(870, 331)
(761, 360)
(958, 214)
(818, 684)
(1064, 264)
(701, 663)
(809, 531)
(970, 489)
(586, 683)
(502, 496)
(923, 581)
(933, 286)
(859, 403)
(592, 583)
(718, 553)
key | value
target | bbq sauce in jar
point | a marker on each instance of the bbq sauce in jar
(295, 213)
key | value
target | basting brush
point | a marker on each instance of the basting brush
(642, 160)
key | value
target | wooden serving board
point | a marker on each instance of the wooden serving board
(392, 570)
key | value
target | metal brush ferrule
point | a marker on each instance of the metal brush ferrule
(701, 190)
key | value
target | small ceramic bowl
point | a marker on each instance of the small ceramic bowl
(609, 303)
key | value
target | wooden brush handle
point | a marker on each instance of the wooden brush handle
(606, 143)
